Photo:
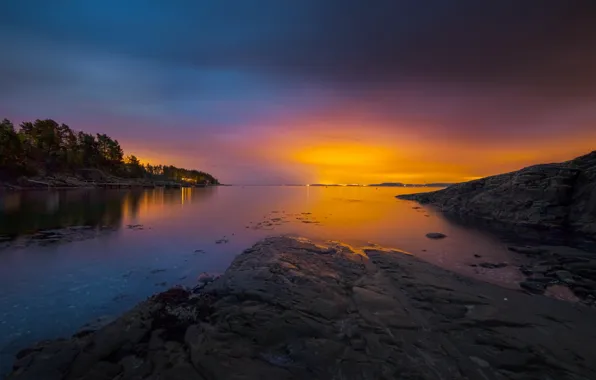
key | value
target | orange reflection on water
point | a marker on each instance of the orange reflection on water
(349, 212)
(240, 216)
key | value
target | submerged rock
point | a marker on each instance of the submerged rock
(290, 309)
(493, 265)
(435, 235)
(560, 195)
(529, 251)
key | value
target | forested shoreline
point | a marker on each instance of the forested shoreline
(46, 148)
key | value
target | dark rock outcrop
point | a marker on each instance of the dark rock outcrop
(289, 309)
(571, 267)
(560, 195)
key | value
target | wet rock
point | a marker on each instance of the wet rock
(435, 235)
(530, 251)
(136, 227)
(493, 265)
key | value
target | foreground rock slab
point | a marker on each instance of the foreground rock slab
(559, 195)
(289, 309)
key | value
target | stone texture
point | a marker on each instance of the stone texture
(289, 309)
(567, 266)
(559, 195)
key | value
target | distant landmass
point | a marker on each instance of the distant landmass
(399, 184)
(384, 184)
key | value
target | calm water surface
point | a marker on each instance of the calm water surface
(53, 289)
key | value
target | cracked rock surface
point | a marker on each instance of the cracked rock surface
(290, 309)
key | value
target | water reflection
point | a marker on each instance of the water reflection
(23, 213)
(524, 235)
(189, 231)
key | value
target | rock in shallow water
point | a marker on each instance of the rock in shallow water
(289, 309)
(530, 251)
(492, 265)
(435, 235)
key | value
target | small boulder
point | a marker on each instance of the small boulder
(435, 235)
(492, 265)
(530, 251)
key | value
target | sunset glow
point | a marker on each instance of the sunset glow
(257, 98)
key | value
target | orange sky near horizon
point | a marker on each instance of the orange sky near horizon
(313, 153)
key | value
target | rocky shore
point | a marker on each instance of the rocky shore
(289, 309)
(89, 178)
(558, 195)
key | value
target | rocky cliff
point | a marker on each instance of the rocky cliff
(289, 309)
(560, 195)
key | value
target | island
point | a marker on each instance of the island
(399, 184)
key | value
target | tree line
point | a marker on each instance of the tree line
(44, 147)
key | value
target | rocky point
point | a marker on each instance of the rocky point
(290, 309)
(558, 195)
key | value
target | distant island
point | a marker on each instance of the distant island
(385, 184)
(399, 184)
(44, 153)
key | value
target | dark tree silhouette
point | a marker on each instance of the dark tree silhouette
(44, 147)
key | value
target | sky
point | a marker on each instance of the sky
(311, 91)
